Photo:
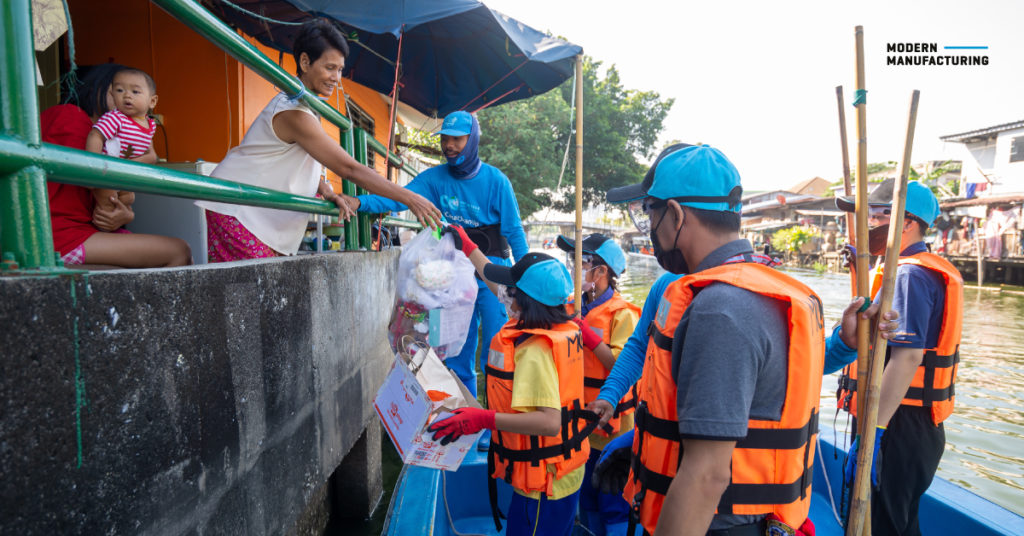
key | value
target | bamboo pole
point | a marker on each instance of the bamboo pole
(851, 234)
(862, 480)
(578, 253)
(863, 251)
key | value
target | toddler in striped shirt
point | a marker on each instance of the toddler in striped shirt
(126, 131)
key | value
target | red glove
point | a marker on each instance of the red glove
(590, 337)
(462, 240)
(465, 421)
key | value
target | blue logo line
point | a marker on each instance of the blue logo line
(966, 48)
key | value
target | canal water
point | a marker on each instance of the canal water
(985, 434)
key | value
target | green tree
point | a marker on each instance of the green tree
(793, 238)
(527, 139)
(931, 179)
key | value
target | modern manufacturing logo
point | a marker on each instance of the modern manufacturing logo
(930, 54)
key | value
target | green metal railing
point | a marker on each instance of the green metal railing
(25, 162)
(24, 206)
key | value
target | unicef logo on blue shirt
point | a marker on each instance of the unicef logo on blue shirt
(449, 202)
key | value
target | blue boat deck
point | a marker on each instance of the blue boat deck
(419, 507)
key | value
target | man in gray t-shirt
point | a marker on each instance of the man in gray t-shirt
(729, 358)
(726, 362)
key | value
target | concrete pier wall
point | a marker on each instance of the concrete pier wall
(208, 400)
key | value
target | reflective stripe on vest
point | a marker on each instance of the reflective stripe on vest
(771, 469)
(594, 372)
(934, 383)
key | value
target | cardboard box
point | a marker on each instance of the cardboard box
(405, 408)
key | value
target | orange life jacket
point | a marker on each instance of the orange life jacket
(594, 372)
(771, 469)
(523, 460)
(934, 383)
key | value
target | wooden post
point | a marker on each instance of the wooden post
(577, 277)
(981, 259)
(873, 379)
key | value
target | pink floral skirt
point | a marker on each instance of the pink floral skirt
(228, 240)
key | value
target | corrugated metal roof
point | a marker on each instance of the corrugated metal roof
(772, 203)
(982, 133)
(990, 200)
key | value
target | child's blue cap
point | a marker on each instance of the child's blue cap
(457, 124)
(539, 275)
(598, 245)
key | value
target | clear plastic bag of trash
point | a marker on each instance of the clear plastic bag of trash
(436, 294)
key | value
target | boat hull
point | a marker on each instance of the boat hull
(418, 504)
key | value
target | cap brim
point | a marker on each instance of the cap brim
(625, 194)
(846, 204)
(452, 132)
(849, 204)
(565, 243)
(499, 274)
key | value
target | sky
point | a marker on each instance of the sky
(757, 79)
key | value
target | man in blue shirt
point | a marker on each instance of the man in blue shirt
(478, 197)
(920, 363)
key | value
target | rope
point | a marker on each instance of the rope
(301, 93)
(583, 527)
(227, 94)
(444, 495)
(392, 122)
(568, 143)
(860, 96)
(258, 16)
(484, 92)
(70, 79)
(394, 93)
(502, 96)
(354, 38)
(828, 485)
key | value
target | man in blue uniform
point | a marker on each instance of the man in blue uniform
(920, 363)
(478, 197)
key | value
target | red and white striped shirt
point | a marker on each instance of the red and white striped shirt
(134, 140)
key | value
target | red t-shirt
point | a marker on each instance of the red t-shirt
(70, 206)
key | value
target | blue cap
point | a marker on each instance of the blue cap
(539, 275)
(457, 124)
(921, 202)
(699, 176)
(599, 245)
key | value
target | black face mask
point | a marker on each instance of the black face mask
(878, 239)
(672, 260)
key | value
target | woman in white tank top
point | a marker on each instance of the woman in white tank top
(286, 149)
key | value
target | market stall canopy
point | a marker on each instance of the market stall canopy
(456, 54)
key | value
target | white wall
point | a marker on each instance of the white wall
(993, 158)
(1010, 176)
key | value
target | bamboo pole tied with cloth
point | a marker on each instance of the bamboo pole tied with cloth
(871, 377)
